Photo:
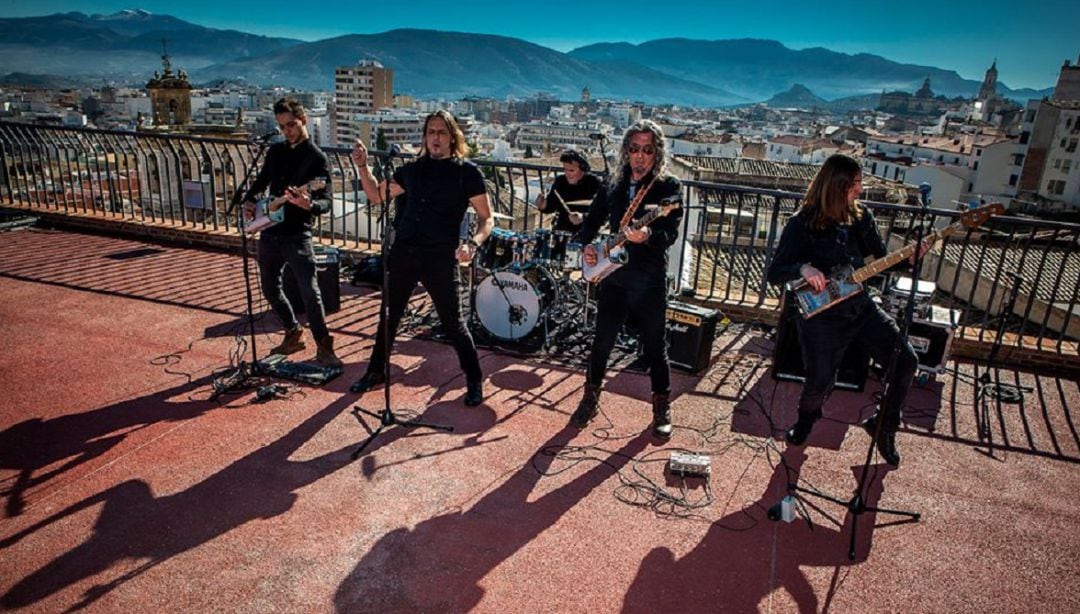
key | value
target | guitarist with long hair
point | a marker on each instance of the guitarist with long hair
(638, 289)
(830, 230)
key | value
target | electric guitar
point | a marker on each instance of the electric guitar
(269, 212)
(846, 282)
(610, 253)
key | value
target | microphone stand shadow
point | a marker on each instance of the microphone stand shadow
(387, 417)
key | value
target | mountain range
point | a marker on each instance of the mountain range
(127, 46)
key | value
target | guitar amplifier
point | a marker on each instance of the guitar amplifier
(327, 270)
(788, 359)
(690, 334)
(932, 338)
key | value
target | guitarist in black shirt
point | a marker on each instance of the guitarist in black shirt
(637, 290)
(830, 230)
(289, 168)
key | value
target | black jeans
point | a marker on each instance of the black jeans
(437, 269)
(824, 338)
(295, 250)
(646, 307)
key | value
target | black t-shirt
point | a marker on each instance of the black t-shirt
(585, 189)
(293, 166)
(437, 194)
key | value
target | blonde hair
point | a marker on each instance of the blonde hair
(458, 146)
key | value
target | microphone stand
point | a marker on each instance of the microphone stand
(240, 375)
(857, 503)
(387, 417)
(603, 154)
(991, 388)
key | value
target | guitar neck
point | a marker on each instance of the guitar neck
(637, 224)
(889, 260)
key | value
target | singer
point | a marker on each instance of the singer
(831, 228)
(289, 167)
(435, 189)
(570, 193)
(638, 290)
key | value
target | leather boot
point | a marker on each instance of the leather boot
(474, 393)
(292, 343)
(370, 380)
(588, 407)
(885, 442)
(798, 433)
(325, 355)
(661, 411)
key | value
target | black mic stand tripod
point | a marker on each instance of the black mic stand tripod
(239, 376)
(856, 505)
(387, 417)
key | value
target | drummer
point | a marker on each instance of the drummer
(571, 193)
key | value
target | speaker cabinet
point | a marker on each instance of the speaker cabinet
(788, 359)
(932, 338)
(327, 270)
(690, 334)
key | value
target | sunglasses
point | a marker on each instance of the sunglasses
(648, 150)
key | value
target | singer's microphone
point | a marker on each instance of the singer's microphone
(270, 137)
(924, 193)
(596, 136)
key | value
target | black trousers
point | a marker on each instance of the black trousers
(296, 250)
(436, 268)
(824, 338)
(645, 306)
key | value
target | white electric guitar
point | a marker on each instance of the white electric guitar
(610, 253)
(269, 212)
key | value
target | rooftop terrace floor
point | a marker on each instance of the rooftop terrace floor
(126, 489)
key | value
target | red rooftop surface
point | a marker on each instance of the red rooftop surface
(126, 489)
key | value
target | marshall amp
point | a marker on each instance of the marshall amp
(327, 270)
(690, 334)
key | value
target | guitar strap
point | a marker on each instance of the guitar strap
(638, 197)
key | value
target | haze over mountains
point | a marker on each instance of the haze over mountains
(126, 47)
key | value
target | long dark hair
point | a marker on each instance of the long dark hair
(644, 126)
(826, 199)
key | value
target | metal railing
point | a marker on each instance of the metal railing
(728, 236)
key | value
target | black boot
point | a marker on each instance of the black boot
(797, 434)
(661, 411)
(474, 393)
(370, 380)
(885, 441)
(588, 407)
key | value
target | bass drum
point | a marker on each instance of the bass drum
(511, 302)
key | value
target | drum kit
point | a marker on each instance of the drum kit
(526, 288)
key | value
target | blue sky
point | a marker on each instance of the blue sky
(1029, 39)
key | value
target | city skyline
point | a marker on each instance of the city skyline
(1028, 48)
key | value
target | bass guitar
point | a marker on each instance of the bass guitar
(269, 212)
(846, 282)
(610, 253)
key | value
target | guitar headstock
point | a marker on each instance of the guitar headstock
(977, 217)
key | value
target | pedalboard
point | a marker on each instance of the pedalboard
(689, 464)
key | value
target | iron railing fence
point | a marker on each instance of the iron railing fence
(729, 232)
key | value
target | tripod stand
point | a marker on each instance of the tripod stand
(239, 377)
(987, 387)
(387, 417)
(856, 505)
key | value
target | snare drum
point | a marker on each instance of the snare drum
(572, 259)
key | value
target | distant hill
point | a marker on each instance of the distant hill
(431, 63)
(799, 97)
(756, 69)
(125, 45)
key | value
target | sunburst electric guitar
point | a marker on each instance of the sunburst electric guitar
(610, 253)
(846, 282)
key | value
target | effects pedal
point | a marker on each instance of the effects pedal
(689, 463)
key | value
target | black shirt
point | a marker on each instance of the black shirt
(824, 249)
(437, 194)
(293, 166)
(585, 189)
(648, 260)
